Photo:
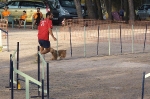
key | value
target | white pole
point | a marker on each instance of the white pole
(132, 39)
(1, 46)
(27, 88)
(84, 41)
(109, 39)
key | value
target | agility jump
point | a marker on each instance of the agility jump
(14, 70)
(143, 83)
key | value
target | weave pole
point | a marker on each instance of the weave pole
(132, 39)
(145, 38)
(70, 41)
(109, 39)
(10, 71)
(12, 83)
(84, 41)
(98, 40)
(120, 39)
(48, 81)
(42, 88)
(143, 83)
(17, 64)
(38, 48)
(9, 85)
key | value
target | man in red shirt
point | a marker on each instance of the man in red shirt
(44, 30)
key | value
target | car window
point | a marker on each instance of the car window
(13, 4)
(27, 4)
(67, 3)
(30, 4)
(147, 6)
(2, 4)
(142, 7)
(50, 3)
(40, 4)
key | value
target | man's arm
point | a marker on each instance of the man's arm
(41, 15)
(51, 33)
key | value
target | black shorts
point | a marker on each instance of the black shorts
(37, 21)
(44, 43)
(21, 19)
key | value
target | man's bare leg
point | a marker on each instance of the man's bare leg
(19, 24)
(44, 51)
(41, 49)
(33, 24)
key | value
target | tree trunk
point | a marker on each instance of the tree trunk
(126, 9)
(91, 14)
(100, 14)
(109, 8)
(79, 10)
(143, 1)
(131, 10)
(95, 9)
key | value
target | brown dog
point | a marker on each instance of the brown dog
(61, 54)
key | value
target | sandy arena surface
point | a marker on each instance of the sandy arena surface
(99, 77)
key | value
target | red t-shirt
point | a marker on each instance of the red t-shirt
(43, 29)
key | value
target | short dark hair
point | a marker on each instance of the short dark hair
(38, 8)
(48, 13)
(24, 11)
(6, 7)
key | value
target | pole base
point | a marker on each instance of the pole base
(37, 96)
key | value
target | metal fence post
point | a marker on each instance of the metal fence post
(132, 39)
(120, 39)
(98, 40)
(70, 41)
(84, 41)
(109, 39)
(145, 38)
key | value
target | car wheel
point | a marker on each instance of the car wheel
(138, 18)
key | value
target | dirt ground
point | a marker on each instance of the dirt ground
(99, 77)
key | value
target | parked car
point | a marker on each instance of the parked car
(55, 12)
(65, 8)
(16, 7)
(143, 12)
(2, 4)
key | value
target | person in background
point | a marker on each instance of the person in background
(22, 18)
(37, 17)
(63, 22)
(121, 14)
(44, 30)
(5, 13)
